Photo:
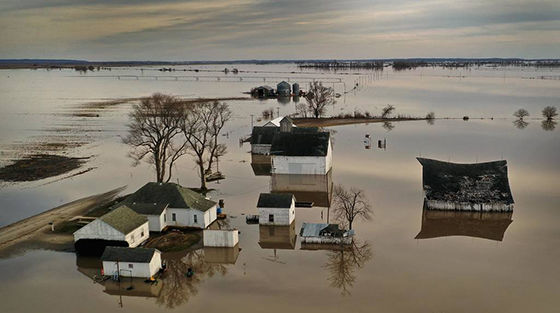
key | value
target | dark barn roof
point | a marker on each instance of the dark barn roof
(125, 254)
(148, 208)
(300, 143)
(486, 225)
(275, 200)
(172, 194)
(472, 183)
(263, 135)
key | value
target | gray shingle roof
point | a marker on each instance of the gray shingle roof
(172, 194)
(125, 254)
(473, 183)
(275, 200)
(148, 208)
(124, 219)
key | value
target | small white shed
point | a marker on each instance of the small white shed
(220, 237)
(276, 208)
(131, 262)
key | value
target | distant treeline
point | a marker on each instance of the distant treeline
(377, 65)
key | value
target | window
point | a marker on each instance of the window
(164, 217)
(142, 234)
(271, 218)
(130, 265)
(173, 217)
(195, 219)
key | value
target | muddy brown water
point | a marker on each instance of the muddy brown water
(455, 271)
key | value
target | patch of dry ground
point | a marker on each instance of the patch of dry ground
(35, 231)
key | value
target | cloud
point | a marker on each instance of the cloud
(241, 29)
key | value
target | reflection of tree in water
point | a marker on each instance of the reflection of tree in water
(520, 124)
(388, 125)
(177, 287)
(548, 125)
(342, 264)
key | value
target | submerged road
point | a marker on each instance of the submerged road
(31, 226)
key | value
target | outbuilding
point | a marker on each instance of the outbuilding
(131, 262)
(120, 227)
(325, 233)
(220, 237)
(262, 92)
(276, 208)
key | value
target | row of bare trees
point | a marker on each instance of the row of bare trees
(164, 128)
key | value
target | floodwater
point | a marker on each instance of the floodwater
(511, 267)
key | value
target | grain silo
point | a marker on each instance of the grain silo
(295, 89)
(283, 89)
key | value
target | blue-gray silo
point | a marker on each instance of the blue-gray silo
(283, 89)
(295, 89)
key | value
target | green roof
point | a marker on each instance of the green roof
(172, 194)
(124, 219)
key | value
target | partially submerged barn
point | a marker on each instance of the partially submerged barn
(301, 151)
(120, 227)
(276, 208)
(471, 187)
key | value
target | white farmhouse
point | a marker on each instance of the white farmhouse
(169, 204)
(276, 208)
(301, 151)
(131, 262)
(119, 227)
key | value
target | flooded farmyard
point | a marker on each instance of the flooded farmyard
(403, 256)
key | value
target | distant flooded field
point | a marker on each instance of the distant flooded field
(404, 260)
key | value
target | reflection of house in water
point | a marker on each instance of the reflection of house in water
(221, 255)
(487, 225)
(277, 237)
(466, 187)
(316, 189)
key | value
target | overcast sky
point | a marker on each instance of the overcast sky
(272, 29)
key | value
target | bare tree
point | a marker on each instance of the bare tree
(153, 133)
(521, 113)
(430, 117)
(343, 263)
(387, 111)
(318, 97)
(201, 129)
(350, 204)
(549, 112)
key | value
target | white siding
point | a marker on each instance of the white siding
(260, 149)
(186, 217)
(299, 165)
(466, 206)
(220, 238)
(144, 270)
(282, 216)
(98, 230)
(156, 222)
(138, 236)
